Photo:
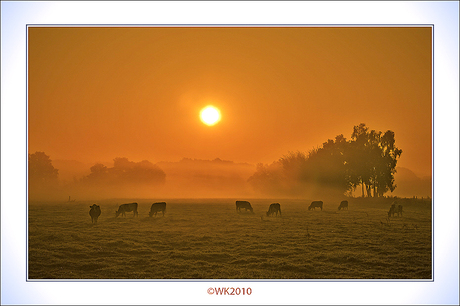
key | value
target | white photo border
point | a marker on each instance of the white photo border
(17, 15)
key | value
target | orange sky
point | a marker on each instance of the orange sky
(100, 93)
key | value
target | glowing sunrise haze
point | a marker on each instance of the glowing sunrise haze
(97, 93)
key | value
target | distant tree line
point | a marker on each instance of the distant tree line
(368, 160)
(43, 177)
(125, 172)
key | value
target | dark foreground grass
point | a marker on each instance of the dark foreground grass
(207, 239)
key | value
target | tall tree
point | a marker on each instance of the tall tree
(373, 160)
(386, 167)
(359, 160)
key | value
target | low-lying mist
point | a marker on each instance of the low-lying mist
(364, 165)
(188, 178)
(191, 178)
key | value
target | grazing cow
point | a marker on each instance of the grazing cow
(343, 205)
(94, 212)
(274, 209)
(399, 210)
(157, 207)
(243, 205)
(124, 208)
(395, 210)
(315, 204)
(391, 212)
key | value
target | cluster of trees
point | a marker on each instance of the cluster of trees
(123, 177)
(125, 172)
(340, 166)
(42, 172)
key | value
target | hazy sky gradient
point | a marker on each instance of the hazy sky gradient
(100, 93)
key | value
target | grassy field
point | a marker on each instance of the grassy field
(208, 239)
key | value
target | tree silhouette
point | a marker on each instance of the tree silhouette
(359, 162)
(125, 172)
(373, 160)
(43, 177)
(98, 172)
(386, 167)
(268, 179)
(41, 170)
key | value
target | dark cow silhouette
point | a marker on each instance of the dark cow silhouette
(392, 210)
(315, 204)
(274, 209)
(124, 208)
(243, 205)
(157, 207)
(398, 210)
(94, 212)
(343, 205)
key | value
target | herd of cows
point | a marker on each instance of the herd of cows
(273, 209)
(95, 210)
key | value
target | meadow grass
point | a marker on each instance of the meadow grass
(208, 239)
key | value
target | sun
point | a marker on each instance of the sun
(210, 115)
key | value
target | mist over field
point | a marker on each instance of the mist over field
(186, 178)
(190, 178)
(209, 239)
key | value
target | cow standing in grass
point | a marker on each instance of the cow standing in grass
(399, 210)
(94, 212)
(243, 205)
(343, 205)
(315, 204)
(274, 209)
(395, 210)
(124, 208)
(391, 212)
(157, 207)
